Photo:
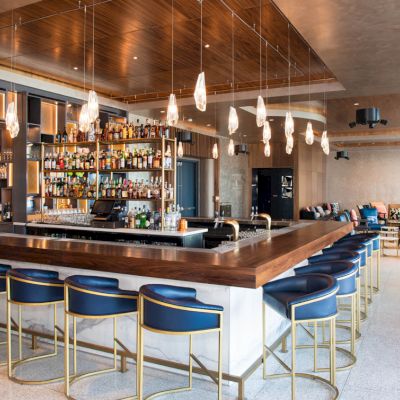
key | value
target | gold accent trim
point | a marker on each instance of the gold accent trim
(35, 282)
(87, 291)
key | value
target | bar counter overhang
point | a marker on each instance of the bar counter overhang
(231, 278)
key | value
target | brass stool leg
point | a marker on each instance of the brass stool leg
(74, 346)
(315, 346)
(20, 332)
(293, 371)
(66, 344)
(264, 343)
(366, 290)
(371, 281)
(220, 361)
(9, 347)
(378, 271)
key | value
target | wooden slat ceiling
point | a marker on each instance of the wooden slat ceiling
(53, 46)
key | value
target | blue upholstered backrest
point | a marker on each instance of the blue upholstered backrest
(370, 214)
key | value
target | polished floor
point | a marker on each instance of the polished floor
(376, 375)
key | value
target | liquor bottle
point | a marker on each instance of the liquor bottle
(129, 160)
(65, 136)
(134, 159)
(122, 160)
(130, 131)
(58, 137)
(140, 160)
(145, 165)
(150, 159)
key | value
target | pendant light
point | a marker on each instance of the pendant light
(266, 132)
(231, 148)
(200, 95)
(324, 138)
(309, 131)
(93, 101)
(12, 123)
(180, 149)
(215, 151)
(84, 117)
(233, 120)
(289, 123)
(267, 149)
(261, 114)
(172, 111)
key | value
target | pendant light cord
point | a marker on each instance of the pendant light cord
(309, 77)
(260, 45)
(233, 61)
(172, 45)
(289, 65)
(201, 35)
(84, 50)
(93, 47)
(266, 74)
(325, 113)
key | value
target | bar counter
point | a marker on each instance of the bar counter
(230, 275)
(250, 263)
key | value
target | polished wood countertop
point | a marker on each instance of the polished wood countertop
(250, 265)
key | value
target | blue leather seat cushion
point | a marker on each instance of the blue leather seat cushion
(3, 270)
(359, 240)
(374, 236)
(29, 292)
(164, 318)
(282, 294)
(344, 271)
(92, 304)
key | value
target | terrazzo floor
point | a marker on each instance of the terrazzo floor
(375, 376)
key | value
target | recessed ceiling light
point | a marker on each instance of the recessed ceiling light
(69, 105)
(162, 111)
(76, 68)
(190, 119)
(208, 124)
(356, 104)
(271, 120)
(135, 57)
(207, 46)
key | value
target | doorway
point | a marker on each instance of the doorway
(187, 175)
(272, 192)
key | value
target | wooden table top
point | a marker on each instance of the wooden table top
(249, 266)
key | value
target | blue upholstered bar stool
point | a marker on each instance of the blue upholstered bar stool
(175, 310)
(302, 299)
(3, 289)
(94, 297)
(376, 250)
(32, 288)
(368, 242)
(350, 256)
(345, 273)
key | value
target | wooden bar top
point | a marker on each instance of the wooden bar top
(248, 266)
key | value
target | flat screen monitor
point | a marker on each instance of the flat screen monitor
(103, 207)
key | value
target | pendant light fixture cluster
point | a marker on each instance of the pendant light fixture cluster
(12, 123)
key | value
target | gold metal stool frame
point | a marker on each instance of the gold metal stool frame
(353, 329)
(13, 364)
(2, 364)
(70, 379)
(292, 370)
(216, 379)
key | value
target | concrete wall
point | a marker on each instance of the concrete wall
(234, 182)
(369, 175)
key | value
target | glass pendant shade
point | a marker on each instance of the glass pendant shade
(215, 151)
(261, 112)
(325, 142)
(289, 124)
(84, 120)
(309, 134)
(172, 111)
(233, 122)
(180, 150)
(266, 132)
(12, 123)
(200, 95)
(231, 148)
(267, 149)
(289, 144)
(93, 106)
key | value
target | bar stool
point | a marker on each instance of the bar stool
(362, 250)
(175, 310)
(32, 288)
(301, 299)
(376, 249)
(3, 290)
(368, 242)
(349, 256)
(94, 297)
(345, 273)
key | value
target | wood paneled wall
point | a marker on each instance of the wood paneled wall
(201, 146)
